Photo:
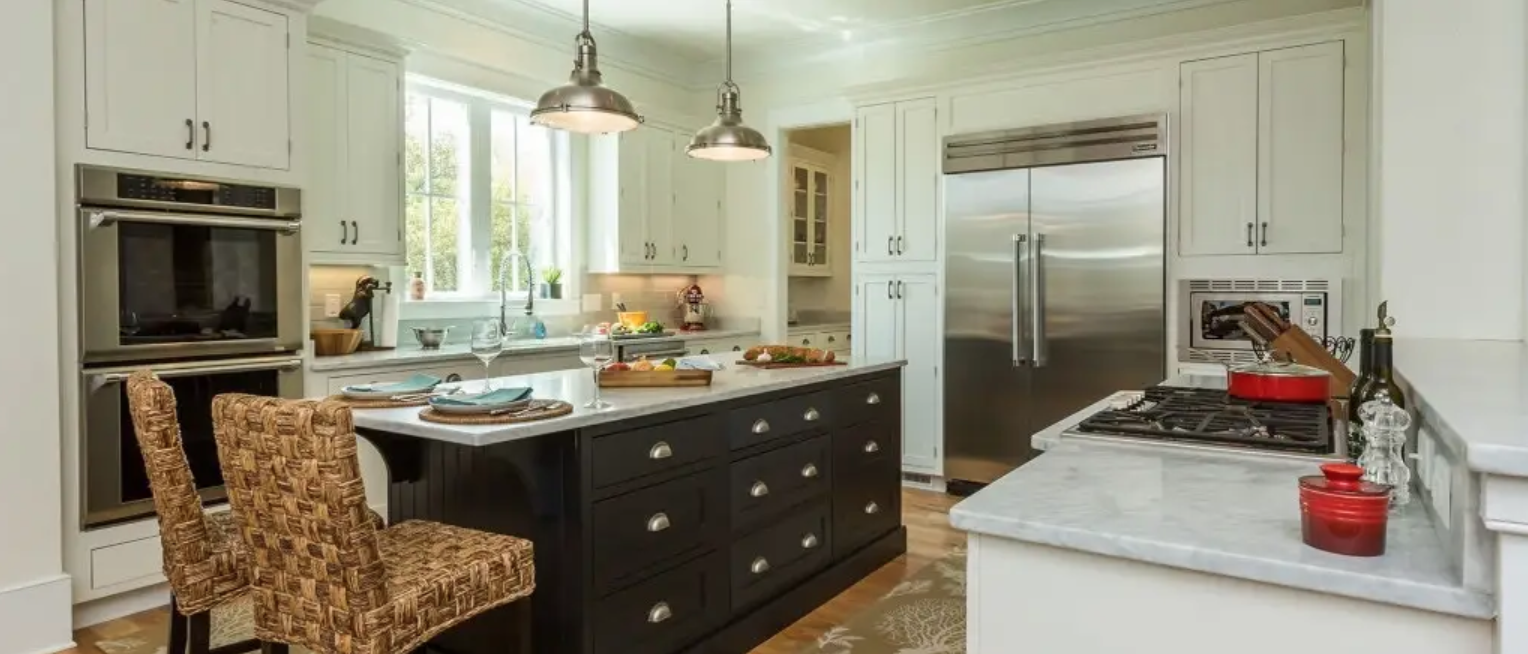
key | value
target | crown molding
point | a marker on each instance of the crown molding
(303, 6)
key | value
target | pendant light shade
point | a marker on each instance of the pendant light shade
(727, 138)
(585, 105)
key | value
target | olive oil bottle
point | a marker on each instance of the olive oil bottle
(1380, 380)
(1353, 435)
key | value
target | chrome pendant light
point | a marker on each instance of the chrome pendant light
(727, 138)
(585, 105)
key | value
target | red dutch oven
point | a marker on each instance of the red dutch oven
(1277, 381)
(1341, 513)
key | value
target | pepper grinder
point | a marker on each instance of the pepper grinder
(1384, 427)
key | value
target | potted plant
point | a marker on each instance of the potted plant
(551, 289)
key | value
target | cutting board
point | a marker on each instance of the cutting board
(770, 365)
(654, 378)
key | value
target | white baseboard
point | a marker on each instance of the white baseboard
(34, 617)
(120, 605)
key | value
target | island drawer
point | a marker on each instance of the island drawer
(864, 444)
(633, 532)
(867, 502)
(875, 399)
(763, 485)
(665, 613)
(640, 452)
(764, 422)
(772, 559)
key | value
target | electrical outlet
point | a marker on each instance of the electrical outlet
(591, 302)
(332, 305)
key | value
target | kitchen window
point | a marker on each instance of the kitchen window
(480, 182)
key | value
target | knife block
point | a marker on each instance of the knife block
(1305, 350)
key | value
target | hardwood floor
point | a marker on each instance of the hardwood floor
(929, 538)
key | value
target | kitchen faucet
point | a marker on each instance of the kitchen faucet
(530, 298)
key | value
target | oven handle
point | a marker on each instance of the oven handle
(99, 217)
(117, 375)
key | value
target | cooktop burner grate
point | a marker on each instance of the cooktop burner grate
(1201, 415)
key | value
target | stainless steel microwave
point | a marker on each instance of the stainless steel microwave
(174, 267)
(1212, 312)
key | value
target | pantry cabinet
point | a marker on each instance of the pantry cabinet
(1262, 151)
(653, 208)
(189, 79)
(897, 185)
(896, 317)
(354, 206)
(810, 199)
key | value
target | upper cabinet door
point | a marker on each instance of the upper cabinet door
(918, 160)
(373, 180)
(1300, 149)
(699, 187)
(660, 197)
(1219, 122)
(876, 157)
(140, 76)
(324, 197)
(631, 219)
(241, 81)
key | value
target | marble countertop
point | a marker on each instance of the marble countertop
(410, 354)
(1473, 393)
(1220, 513)
(577, 387)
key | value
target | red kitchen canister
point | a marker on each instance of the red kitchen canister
(1341, 513)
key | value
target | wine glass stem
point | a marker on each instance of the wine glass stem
(487, 381)
(596, 370)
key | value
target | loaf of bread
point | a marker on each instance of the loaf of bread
(775, 352)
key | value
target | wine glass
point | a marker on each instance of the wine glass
(596, 350)
(487, 343)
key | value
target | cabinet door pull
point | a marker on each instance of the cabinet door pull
(737, 348)
(899, 290)
(811, 414)
(344, 233)
(871, 447)
(206, 136)
(872, 508)
(809, 470)
(806, 341)
(355, 238)
(658, 522)
(761, 426)
(889, 295)
(1249, 235)
(190, 134)
(899, 245)
(1263, 240)
(873, 398)
(686, 249)
(759, 566)
(659, 613)
(661, 450)
(809, 541)
(704, 351)
(889, 250)
(759, 489)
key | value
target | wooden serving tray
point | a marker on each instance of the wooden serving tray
(654, 378)
(771, 365)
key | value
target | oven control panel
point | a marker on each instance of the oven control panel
(1312, 315)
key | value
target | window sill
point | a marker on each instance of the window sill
(454, 308)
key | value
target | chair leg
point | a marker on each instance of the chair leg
(200, 638)
(273, 648)
(177, 629)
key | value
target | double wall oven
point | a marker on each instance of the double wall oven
(196, 279)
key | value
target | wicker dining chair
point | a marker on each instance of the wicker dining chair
(323, 577)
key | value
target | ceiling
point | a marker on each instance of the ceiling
(695, 28)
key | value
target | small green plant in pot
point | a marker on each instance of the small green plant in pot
(551, 287)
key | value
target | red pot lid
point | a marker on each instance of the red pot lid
(1344, 479)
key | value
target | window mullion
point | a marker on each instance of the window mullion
(476, 249)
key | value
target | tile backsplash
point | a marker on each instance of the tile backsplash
(334, 280)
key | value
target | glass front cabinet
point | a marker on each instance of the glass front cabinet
(811, 188)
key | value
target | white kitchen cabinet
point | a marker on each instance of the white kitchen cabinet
(897, 152)
(355, 205)
(190, 79)
(1262, 153)
(652, 209)
(698, 214)
(660, 145)
(896, 317)
(140, 67)
(810, 198)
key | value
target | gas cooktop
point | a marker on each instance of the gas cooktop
(1213, 418)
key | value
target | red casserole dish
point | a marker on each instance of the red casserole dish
(1274, 381)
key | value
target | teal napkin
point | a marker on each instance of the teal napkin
(491, 398)
(418, 383)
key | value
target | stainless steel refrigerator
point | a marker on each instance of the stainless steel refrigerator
(1055, 281)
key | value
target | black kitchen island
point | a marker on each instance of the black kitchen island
(679, 520)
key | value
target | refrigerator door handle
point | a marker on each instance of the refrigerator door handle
(1037, 301)
(1020, 247)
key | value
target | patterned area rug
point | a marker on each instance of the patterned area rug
(231, 623)
(925, 614)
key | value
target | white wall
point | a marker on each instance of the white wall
(34, 616)
(1450, 168)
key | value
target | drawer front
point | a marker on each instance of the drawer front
(835, 341)
(633, 532)
(631, 454)
(764, 422)
(867, 502)
(665, 613)
(767, 562)
(875, 399)
(764, 485)
(866, 443)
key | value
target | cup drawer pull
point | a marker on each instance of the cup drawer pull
(811, 415)
(657, 523)
(809, 470)
(872, 399)
(661, 450)
(659, 613)
(760, 426)
(809, 541)
(759, 566)
(759, 489)
(872, 508)
(871, 447)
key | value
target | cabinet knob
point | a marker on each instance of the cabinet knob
(659, 613)
(872, 399)
(759, 489)
(811, 415)
(809, 541)
(806, 341)
(832, 340)
(705, 351)
(761, 426)
(661, 450)
(872, 508)
(759, 566)
(658, 522)
(809, 470)
(871, 447)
